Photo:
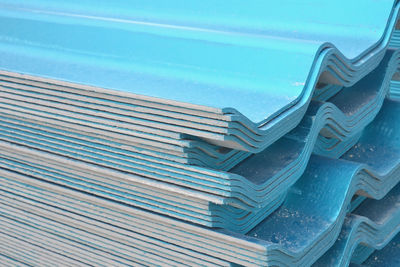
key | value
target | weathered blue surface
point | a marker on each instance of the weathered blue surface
(388, 256)
(298, 232)
(373, 224)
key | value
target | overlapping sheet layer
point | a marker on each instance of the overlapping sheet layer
(315, 215)
(173, 134)
(177, 76)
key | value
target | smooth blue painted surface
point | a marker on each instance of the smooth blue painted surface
(184, 52)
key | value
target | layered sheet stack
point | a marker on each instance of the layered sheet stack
(198, 133)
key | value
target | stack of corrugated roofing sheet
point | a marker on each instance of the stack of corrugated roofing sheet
(270, 181)
(374, 223)
(146, 133)
(184, 92)
(395, 83)
(388, 256)
(297, 233)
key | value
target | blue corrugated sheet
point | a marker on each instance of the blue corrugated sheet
(198, 133)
